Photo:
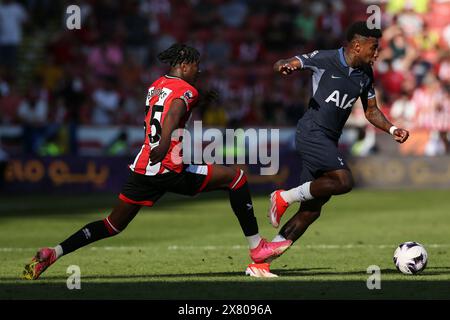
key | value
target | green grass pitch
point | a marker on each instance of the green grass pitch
(194, 249)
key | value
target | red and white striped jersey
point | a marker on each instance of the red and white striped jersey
(159, 99)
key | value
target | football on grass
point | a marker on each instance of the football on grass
(410, 257)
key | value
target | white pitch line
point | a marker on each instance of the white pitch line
(239, 247)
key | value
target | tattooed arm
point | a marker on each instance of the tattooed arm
(377, 118)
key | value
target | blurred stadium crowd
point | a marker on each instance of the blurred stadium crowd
(52, 78)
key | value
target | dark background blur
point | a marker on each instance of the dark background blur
(82, 92)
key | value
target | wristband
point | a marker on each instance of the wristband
(392, 129)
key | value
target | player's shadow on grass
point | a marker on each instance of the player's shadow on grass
(432, 271)
(144, 276)
(305, 272)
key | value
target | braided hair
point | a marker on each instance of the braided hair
(179, 53)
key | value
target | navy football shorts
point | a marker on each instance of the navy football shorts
(146, 190)
(318, 152)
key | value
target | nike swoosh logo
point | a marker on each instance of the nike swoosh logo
(249, 206)
(334, 77)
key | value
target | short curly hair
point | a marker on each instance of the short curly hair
(361, 28)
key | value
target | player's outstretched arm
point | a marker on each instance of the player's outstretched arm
(172, 119)
(287, 66)
(377, 118)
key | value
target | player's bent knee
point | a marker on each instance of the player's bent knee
(346, 186)
(345, 183)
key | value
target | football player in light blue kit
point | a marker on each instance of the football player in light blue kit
(339, 78)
